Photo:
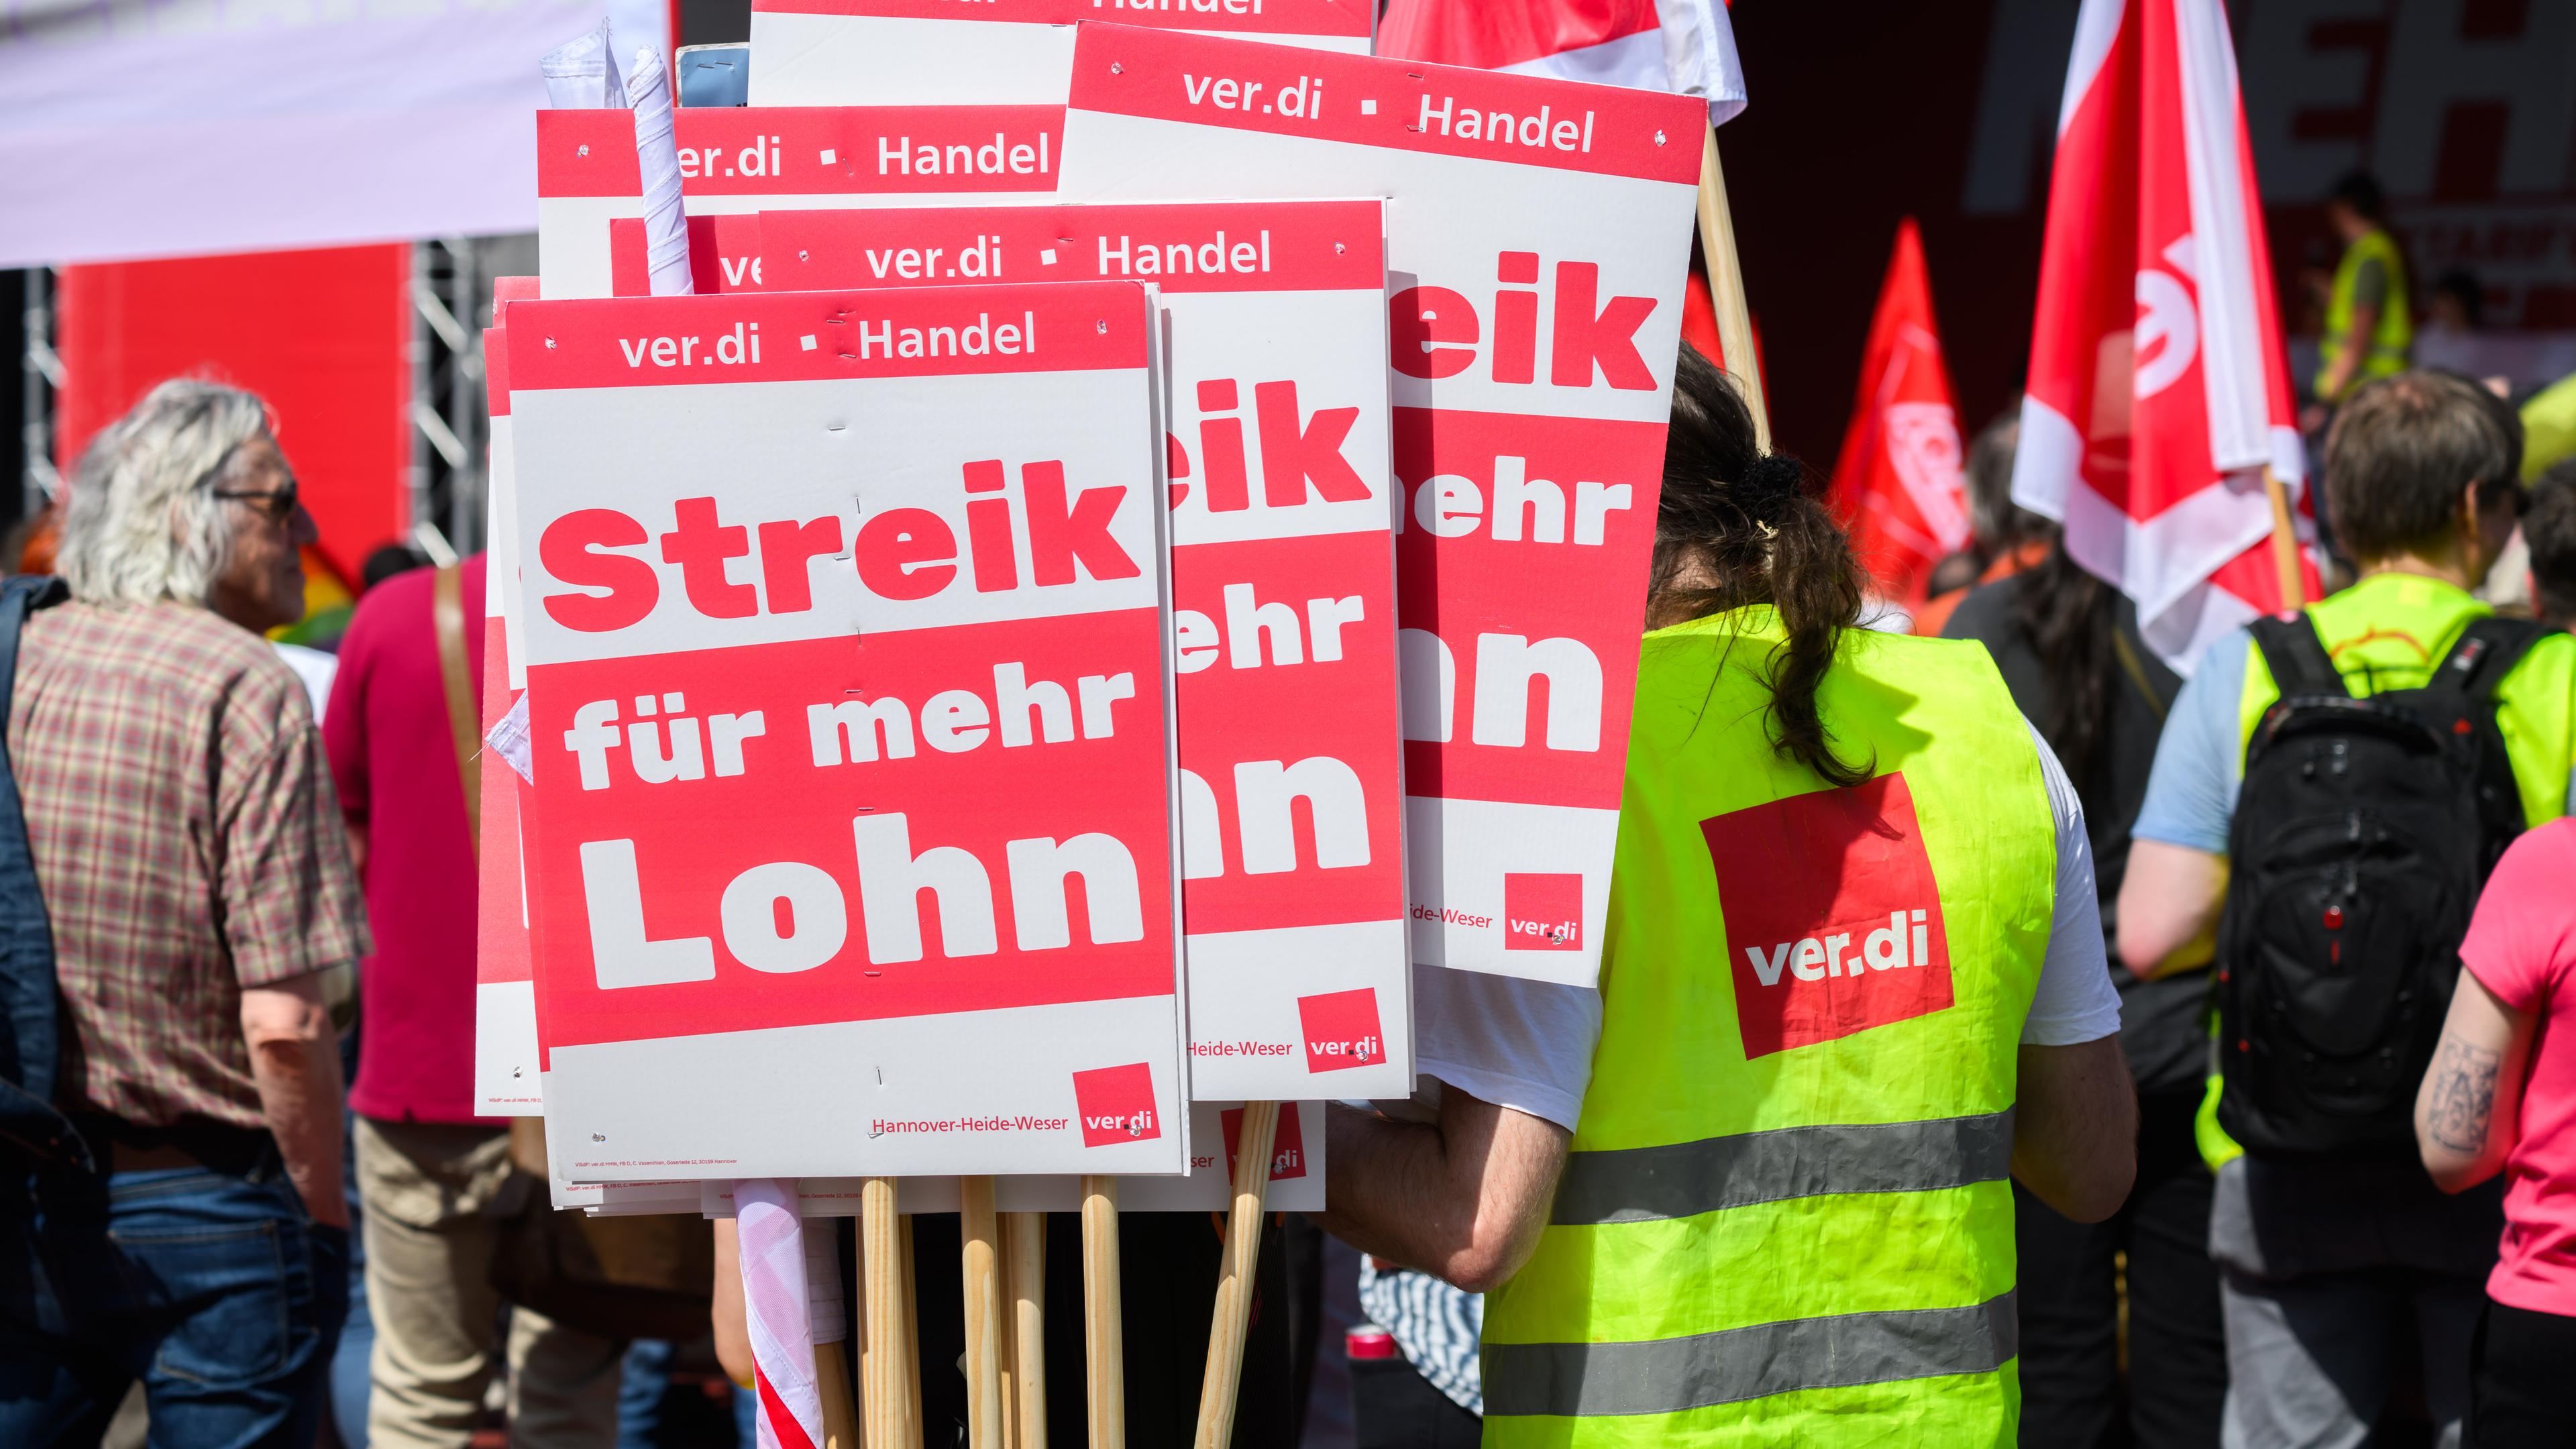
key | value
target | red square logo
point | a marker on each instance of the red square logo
(1833, 920)
(1341, 1030)
(1287, 1148)
(1117, 1105)
(1542, 912)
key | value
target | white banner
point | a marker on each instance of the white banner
(191, 126)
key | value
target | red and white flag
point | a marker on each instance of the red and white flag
(2158, 390)
(1898, 480)
(1685, 46)
(776, 1314)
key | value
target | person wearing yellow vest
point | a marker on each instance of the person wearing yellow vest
(2338, 1264)
(2368, 330)
(1755, 1189)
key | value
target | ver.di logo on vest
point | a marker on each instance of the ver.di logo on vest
(1833, 919)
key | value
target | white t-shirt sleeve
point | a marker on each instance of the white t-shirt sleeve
(2076, 1001)
(1526, 1045)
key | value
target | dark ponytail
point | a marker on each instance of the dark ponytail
(2070, 616)
(1738, 526)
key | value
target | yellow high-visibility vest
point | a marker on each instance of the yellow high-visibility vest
(2394, 335)
(1786, 1218)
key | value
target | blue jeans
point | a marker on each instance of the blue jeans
(651, 1416)
(217, 1291)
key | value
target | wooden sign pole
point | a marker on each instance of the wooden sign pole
(1104, 1356)
(832, 1385)
(910, 1365)
(2285, 543)
(1253, 1145)
(980, 1233)
(1726, 287)
(1024, 1250)
(1006, 1291)
(891, 1386)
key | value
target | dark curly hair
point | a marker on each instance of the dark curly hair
(1738, 526)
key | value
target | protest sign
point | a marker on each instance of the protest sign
(1296, 1177)
(505, 1009)
(852, 841)
(1537, 235)
(1283, 597)
(735, 160)
(997, 52)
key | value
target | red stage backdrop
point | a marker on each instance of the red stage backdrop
(324, 335)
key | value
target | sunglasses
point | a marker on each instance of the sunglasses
(276, 505)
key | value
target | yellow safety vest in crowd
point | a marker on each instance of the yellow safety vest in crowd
(2395, 332)
(1786, 1219)
(2388, 632)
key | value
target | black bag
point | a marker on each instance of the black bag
(2363, 834)
(30, 1006)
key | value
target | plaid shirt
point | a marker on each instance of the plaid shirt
(187, 845)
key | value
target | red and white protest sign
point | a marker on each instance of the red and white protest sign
(934, 52)
(735, 161)
(1537, 236)
(852, 841)
(505, 1010)
(1283, 586)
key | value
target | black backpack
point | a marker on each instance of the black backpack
(2363, 833)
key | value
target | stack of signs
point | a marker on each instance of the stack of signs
(736, 161)
(1283, 586)
(1039, 558)
(1537, 239)
(850, 843)
(925, 52)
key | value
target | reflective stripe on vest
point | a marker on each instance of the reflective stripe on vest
(1688, 1178)
(2395, 331)
(1785, 1216)
(1674, 1375)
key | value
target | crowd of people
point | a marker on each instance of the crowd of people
(1999, 1033)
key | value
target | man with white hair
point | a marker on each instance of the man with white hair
(188, 854)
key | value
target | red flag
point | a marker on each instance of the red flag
(2158, 389)
(1666, 45)
(1898, 480)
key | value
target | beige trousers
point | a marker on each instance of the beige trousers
(429, 1255)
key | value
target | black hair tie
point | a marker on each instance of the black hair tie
(1773, 482)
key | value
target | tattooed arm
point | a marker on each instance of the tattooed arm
(2468, 1112)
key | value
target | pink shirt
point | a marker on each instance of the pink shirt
(2522, 947)
(395, 764)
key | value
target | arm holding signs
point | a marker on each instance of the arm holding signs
(1463, 1197)
(731, 1319)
